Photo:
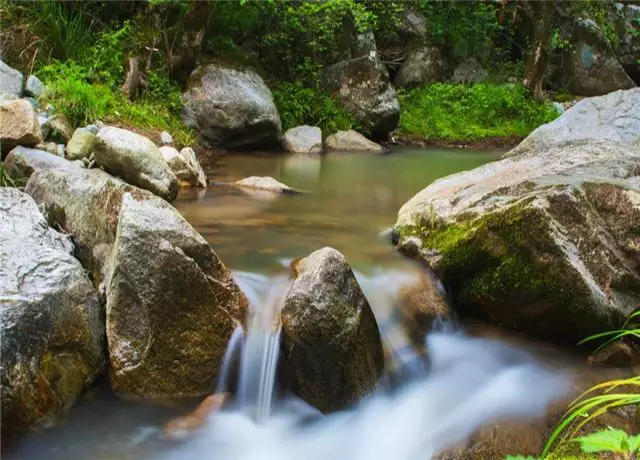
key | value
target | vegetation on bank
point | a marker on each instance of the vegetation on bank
(448, 112)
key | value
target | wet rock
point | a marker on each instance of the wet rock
(171, 305)
(422, 66)
(166, 138)
(613, 117)
(619, 354)
(362, 87)
(469, 72)
(23, 162)
(185, 166)
(60, 129)
(542, 241)
(50, 318)
(81, 144)
(135, 159)
(18, 125)
(332, 354)
(351, 141)
(34, 87)
(181, 428)
(303, 139)
(265, 183)
(232, 108)
(11, 82)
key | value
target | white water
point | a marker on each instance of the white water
(469, 382)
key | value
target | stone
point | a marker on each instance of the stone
(231, 108)
(541, 242)
(93, 129)
(135, 159)
(361, 86)
(627, 23)
(166, 138)
(81, 144)
(171, 304)
(50, 147)
(351, 141)
(331, 350)
(265, 183)
(414, 24)
(18, 125)
(613, 117)
(469, 72)
(43, 121)
(34, 102)
(303, 139)
(423, 66)
(34, 87)
(186, 167)
(51, 320)
(23, 161)
(11, 82)
(591, 67)
(60, 129)
(181, 428)
(192, 160)
(60, 150)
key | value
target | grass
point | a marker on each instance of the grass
(450, 112)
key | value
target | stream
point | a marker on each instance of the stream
(474, 375)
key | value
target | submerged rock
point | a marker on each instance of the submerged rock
(362, 87)
(81, 144)
(23, 162)
(51, 319)
(135, 159)
(11, 82)
(351, 141)
(332, 353)
(232, 108)
(185, 166)
(542, 241)
(171, 303)
(265, 183)
(303, 139)
(18, 125)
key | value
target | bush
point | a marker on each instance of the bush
(448, 112)
(298, 105)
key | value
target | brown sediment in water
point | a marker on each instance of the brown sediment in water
(413, 140)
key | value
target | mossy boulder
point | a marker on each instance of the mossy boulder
(51, 319)
(23, 161)
(545, 242)
(331, 350)
(171, 304)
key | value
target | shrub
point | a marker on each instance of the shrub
(448, 112)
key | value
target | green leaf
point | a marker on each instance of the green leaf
(634, 444)
(610, 440)
(520, 457)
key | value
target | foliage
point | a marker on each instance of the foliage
(448, 112)
(611, 440)
(631, 328)
(6, 180)
(298, 105)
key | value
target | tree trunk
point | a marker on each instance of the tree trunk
(541, 14)
(134, 82)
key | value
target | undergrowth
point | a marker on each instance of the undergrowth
(450, 112)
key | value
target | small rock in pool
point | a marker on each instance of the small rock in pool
(265, 183)
(180, 428)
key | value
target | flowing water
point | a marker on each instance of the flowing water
(466, 382)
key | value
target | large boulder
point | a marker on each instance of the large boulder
(591, 67)
(351, 141)
(423, 66)
(136, 159)
(332, 354)
(171, 303)
(11, 82)
(23, 161)
(185, 166)
(51, 320)
(18, 125)
(613, 117)
(627, 24)
(232, 108)
(414, 24)
(362, 87)
(303, 139)
(545, 240)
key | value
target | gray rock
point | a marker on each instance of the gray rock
(93, 129)
(414, 24)
(10, 83)
(166, 138)
(60, 150)
(50, 147)
(34, 103)
(628, 28)
(51, 320)
(171, 303)
(422, 66)
(351, 141)
(331, 350)
(559, 107)
(34, 87)
(613, 117)
(192, 160)
(264, 183)
(18, 125)
(60, 129)
(362, 87)
(541, 241)
(189, 174)
(136, 159)
(231, 108)
(45, 127)
(81, 144)
(303, 139)
(469, 72)
(23, 162)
